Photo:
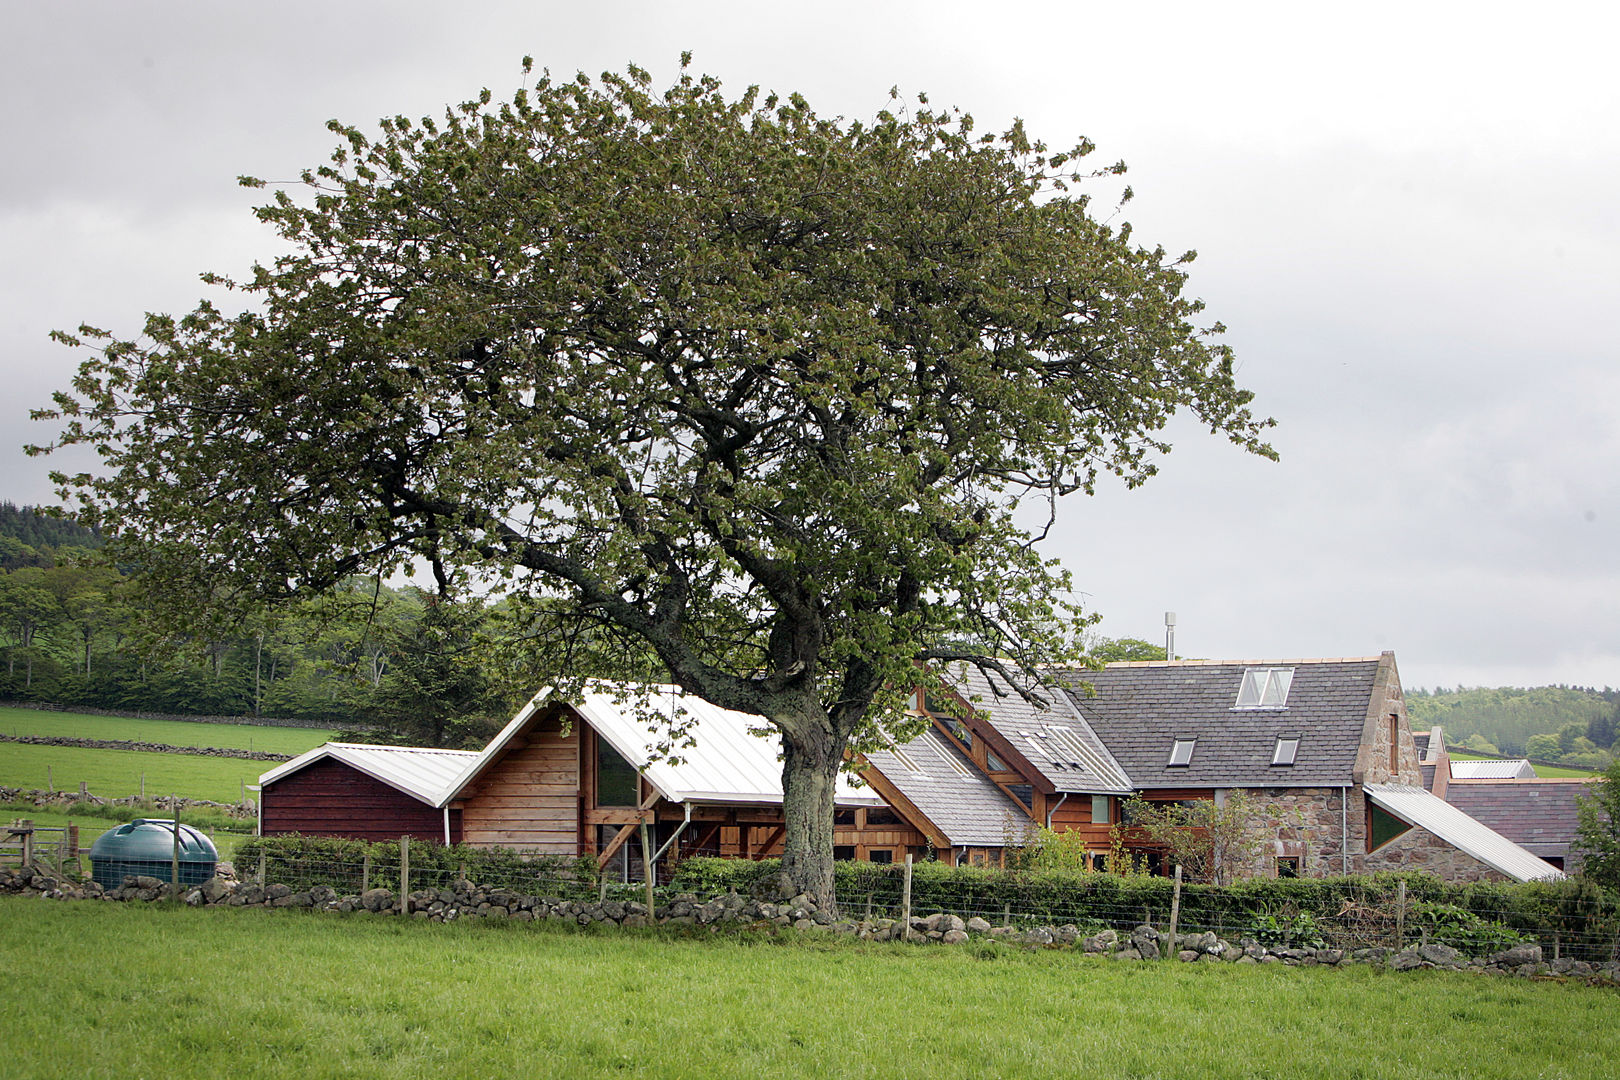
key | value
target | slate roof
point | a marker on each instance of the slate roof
(1140, 709)
(1539, 814)
(1461, 831)
(1055, 739)
(950, 791)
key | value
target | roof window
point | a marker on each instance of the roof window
(1181, 753)
(1265, 688)
(1287, 749)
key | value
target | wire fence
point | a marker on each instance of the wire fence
(1571, 919)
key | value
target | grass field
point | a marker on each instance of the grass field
(114, 774)
(142, 991)
(274, 740)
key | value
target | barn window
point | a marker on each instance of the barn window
(1265, 688)
(844, 852)
(1181, 753)
(880, 855)
(1286, 750)
(615, 778)
(881, 815)
(1099, 810)
(1288, 866)
(1383, 827)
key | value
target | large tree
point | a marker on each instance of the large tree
(784, 400)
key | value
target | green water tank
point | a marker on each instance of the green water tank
(146, 846)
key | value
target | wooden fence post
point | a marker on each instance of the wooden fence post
(1175, 914)
(647, 865)
(1400, 915)
(262, 861)
(905, 902)
(365, 870)
(73, 846)
(174, 857)
(27, 841)
(404, 872)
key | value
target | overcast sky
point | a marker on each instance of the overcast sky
(1405, 214)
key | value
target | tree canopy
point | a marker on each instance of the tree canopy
(778, 399)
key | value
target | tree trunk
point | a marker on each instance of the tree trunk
(809, 779)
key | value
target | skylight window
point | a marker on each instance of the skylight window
(1287, 749)
(1265, 688)
(1181, 753)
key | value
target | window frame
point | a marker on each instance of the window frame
(1261, 683)
(1293, 741)
(1176, 752)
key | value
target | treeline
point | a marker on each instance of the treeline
(1570, 725)
(405, 665)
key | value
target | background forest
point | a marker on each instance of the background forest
(401, 663)
(412, 668)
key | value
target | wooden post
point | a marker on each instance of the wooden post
(262, 861)
(174, 858)
(84, 789)
(1175, 914)
(1400, 914)
(50, 786)
(73, 846)
(27, 841)
(647, 864)
(404, 872)
(143, 787)
(905, 902)
(1006, 914)
(365, 870)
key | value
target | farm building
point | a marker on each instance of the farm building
(1323, 747)
(363, 792)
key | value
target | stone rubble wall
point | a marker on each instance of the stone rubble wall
(776, 903)
(146, 747)
(46, 800)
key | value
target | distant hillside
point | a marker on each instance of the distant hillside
(1551, 723)
(37, 530)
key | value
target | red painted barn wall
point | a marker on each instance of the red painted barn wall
(329, 798)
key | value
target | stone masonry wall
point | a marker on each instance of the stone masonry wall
(1302, 823)
(1419, 849)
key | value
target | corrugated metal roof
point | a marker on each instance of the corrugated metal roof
(951, 792)
(1493, 769)
(422, 772)
(717, 755)
(1055, 739)
(1413, 804)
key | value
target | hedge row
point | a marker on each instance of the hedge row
(1583, 919)
(343, 864)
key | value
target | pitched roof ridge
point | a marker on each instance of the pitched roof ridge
(1242, 663)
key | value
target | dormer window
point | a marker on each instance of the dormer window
(1287, 749)
(1181, 753)
(1265, 688)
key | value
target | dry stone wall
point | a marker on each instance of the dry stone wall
(776, 904)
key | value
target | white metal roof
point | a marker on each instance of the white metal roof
(1492, 769)
(1419, 807)
(720, 756)
(421, 772)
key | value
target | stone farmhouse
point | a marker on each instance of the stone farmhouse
(1323, 748)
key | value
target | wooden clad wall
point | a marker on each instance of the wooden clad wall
(329, 798)
(528, 799)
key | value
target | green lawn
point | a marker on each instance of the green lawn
(145, 991)
(274, 740)
(114, 774)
